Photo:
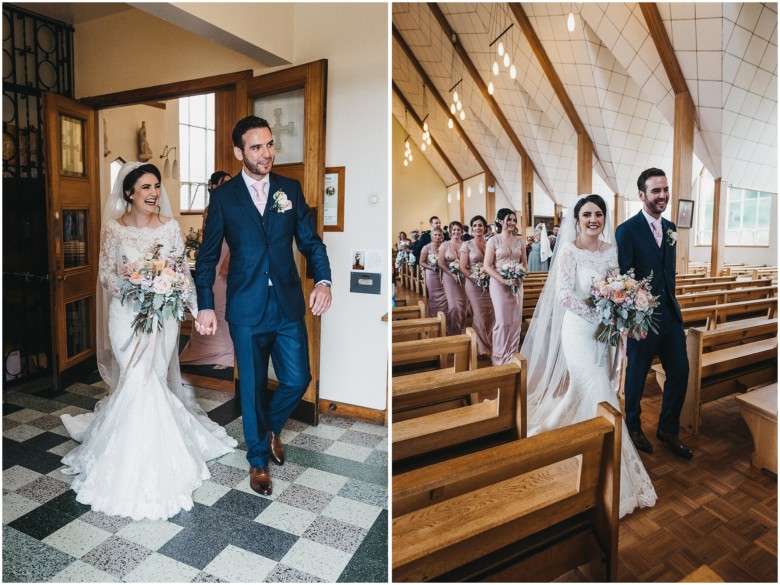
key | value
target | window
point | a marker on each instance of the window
(704, 192)
(748, 217)
(196, 141)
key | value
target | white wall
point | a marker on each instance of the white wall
(133, 49)
(354, 39)
(476, 203)
(453, 204)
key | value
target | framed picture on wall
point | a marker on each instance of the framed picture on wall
(685, 213)
(333, 219)
(548, 222)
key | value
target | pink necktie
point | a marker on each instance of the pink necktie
(260, 197)
(657, 231)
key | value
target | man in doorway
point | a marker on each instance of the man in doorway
(425, 238)
(259, 213)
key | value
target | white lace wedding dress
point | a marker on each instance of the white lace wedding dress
(586, 361)
(143, 450)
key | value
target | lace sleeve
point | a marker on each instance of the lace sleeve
(567, 274)
(107, 269)
(191, 298)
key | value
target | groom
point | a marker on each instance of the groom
(259, 213)
(646, 244)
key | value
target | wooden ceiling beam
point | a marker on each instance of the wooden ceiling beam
(419, 122)
(437, 96)
(663, 45)
(477, 78)
(547, 66)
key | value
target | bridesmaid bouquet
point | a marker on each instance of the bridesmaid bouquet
(454, 268)
(625, 305)
(480, 277)
(513, 270)
(157, 287)
(405, 257)
(433, 261)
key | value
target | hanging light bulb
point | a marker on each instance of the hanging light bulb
(491, 89)
(428, 140)
(500, 48)
(506, 60)
(463, 114)
(411, 158)
(570, 22)
(452, 108)
(425, 126)
(406, 144)
(495, 67)
(450, 124)
(406, 162)
(422, 147)
(455, 96)
(513, 71)
(460, 106)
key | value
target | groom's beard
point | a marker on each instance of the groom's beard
(259, 168)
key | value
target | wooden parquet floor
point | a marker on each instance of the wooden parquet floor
(715, 510)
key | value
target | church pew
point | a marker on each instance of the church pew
(502, 417)
(699, 279)
(712, 316)
(699, 299)
(409, 311)
(528, 510)
(759, 409)
(722, 362)
(425, 328)
(687, 287)
(462, 348)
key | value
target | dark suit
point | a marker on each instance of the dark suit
(637, 249)
(264, 320)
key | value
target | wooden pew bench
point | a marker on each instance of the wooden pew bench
(426, 328)
(719, 297)
(723, 362)
(712, 316)
(500, 418)
(408, 311)
(692, 287)
(759, 409)
(435, 353)
(529, 510)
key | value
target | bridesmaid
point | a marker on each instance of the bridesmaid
(436, 299)
(483, 318)
(453, 284)
(506, 245)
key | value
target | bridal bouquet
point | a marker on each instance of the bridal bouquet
(454, 268)
(157, 286)
(480, 277)
(433, 261)
(625, 305)
(513, 270)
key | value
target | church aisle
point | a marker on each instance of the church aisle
(325, 522)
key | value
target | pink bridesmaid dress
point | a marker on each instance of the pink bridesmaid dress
(214, 349)
(436, 299)
(508, 308)
(455, 293)
(482, 316)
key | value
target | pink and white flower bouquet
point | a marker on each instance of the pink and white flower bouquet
(454, 268)
(157, 286)
(479, 275)
(625, 305)
(513, 270)
(433, 262)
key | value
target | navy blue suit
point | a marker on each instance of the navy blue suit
(637, 249)
(264, 320)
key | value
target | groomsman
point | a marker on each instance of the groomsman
(646, 243)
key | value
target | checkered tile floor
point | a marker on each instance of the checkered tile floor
(326, 521)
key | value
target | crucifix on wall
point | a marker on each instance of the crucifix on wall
(280, 128)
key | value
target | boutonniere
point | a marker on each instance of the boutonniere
(281, 203)
(671, 237)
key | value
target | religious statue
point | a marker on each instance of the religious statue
(144, 150)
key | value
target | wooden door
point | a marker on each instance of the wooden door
(293, 102)
(73, 214)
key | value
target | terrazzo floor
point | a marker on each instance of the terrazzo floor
(327, 520)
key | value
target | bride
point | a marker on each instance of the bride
(144, 449)
(568, 373)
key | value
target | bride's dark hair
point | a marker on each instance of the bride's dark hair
(501, 215)
(590, 199)
(128, 184)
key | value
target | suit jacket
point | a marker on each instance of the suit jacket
(260, 248)
(637, 249)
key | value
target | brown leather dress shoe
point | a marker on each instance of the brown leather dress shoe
(640, 441)
(675, 444)
(260, 480)
(275, 446)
